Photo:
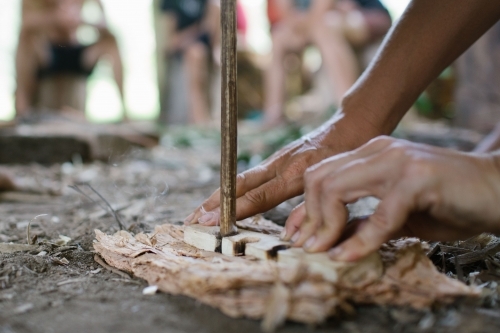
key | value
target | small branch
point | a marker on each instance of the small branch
(117, 218)
(77, 189)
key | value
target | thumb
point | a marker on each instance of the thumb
(294, 222)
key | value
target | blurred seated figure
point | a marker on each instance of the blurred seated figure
(51, 62)
(334, 27)
(192, 26)
(193, 44)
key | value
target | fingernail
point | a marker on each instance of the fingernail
(205, 218)
(295, 237)
(310, 242)
(188, 219)
(283, 234)
(335, 252)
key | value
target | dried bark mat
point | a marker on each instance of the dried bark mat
(246, 287)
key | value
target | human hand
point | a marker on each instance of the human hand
(277, 179)
(428, 192)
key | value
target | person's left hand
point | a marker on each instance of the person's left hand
(428, 192)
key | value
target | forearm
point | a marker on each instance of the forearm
(428, 37)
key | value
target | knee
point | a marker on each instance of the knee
(196, 53)
(330, 26)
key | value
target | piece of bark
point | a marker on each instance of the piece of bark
(242, 286)
(364, 271)
(410, 278)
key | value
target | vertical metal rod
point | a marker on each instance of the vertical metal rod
(229, 118)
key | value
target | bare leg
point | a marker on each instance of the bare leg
(284, 41)
(107, 46)
(338, 57)
(196, 66)
(29, 56)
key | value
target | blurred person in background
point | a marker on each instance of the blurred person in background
(334, 27)
(48, 47)
(193, 30)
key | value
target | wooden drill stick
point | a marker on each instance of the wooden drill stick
(229, 119)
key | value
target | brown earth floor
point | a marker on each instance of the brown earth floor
(39, 295)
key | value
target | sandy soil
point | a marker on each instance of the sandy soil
(39, 293)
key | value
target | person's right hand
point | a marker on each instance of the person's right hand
(277, 179)
(428, 192)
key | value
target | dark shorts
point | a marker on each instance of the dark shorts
(65, 59)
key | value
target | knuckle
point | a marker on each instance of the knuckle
(256, 197)
(418, 168)
(295, 169)
(241, 179)
(380, 220)
(398, 151)
(310, 178)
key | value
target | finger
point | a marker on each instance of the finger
(370, 177)
(316, 175)
(245, 182)
(335, 216)
(355, 180)
(268, 196)
(294, 221)
(210, 218)
(388, 219)
(211, 203)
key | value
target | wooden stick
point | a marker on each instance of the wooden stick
(229, 119)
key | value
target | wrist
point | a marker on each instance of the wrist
(350, 128)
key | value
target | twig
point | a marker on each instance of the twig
(120, 224)
(117, 218)
(77, 189)
(460, 272)
(31, 241)
(109, 268)
(28, 237)
(469, 258)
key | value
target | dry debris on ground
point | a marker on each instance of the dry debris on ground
(55, 285)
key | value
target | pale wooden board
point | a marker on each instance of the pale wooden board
(203, 237)
(270, 247)
(251, 243)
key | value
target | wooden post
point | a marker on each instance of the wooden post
(229, 119)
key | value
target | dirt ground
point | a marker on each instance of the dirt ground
(58, 287)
